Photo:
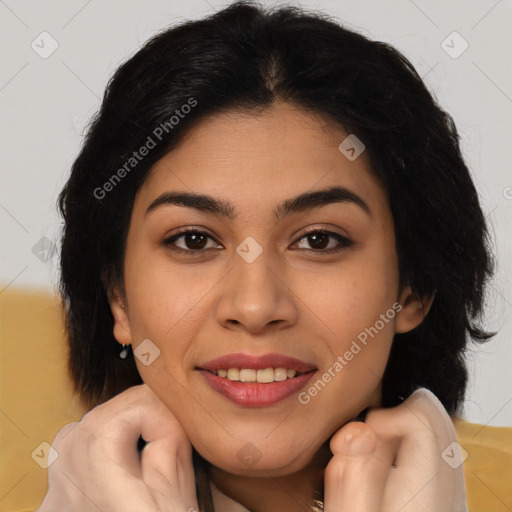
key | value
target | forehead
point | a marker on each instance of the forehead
(261, 158)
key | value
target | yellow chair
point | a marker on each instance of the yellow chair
(36, 401)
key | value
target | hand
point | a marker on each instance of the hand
(99, 467)
(412, 437)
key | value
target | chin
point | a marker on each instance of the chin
(249, 461)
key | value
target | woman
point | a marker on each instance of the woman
(272, 216)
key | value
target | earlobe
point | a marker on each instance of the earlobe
(413, 312)
(122, 332)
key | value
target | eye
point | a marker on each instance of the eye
(193, 241)
(319, 241)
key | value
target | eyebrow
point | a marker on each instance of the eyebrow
(300, 203)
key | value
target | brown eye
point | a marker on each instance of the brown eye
(190, 240)
(319, 240)
(194, 240)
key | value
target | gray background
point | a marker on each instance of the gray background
(46, 102)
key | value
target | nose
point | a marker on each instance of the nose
(255, 296)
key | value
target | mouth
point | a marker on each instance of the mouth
(263, 376)
(256, 381)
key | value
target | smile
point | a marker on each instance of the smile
(265, 375)
(256, 380)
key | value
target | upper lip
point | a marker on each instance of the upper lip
(257, 362)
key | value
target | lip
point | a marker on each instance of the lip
(257, 362)
(256, 394)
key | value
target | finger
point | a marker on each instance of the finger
(169, 472)
(62, 433)
(165, 464)
(449, 489)
(422, 479)
(120, 421)
(356, 475)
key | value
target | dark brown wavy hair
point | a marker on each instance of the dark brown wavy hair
(247, 57)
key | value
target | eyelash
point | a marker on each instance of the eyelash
(345, 243)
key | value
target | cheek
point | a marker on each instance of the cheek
(166, 300)
(358, 309)
(350, 298)
(347, 382)
(169, 308)
(369, 326)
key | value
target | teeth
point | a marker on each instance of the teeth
(247, 375)
(263, 376)
(266, 375)
(280, 374)
(233, 374)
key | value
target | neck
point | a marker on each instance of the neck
(275, 494)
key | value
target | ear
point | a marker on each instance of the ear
(118, 307)
(413, 312)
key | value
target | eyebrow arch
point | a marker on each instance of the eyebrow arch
(300, 203)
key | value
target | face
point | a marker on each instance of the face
(308, 285)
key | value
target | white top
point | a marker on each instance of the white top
(223, 503)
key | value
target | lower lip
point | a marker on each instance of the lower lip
(255, 394)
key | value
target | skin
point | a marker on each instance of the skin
(294, 299)
(195, 309)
